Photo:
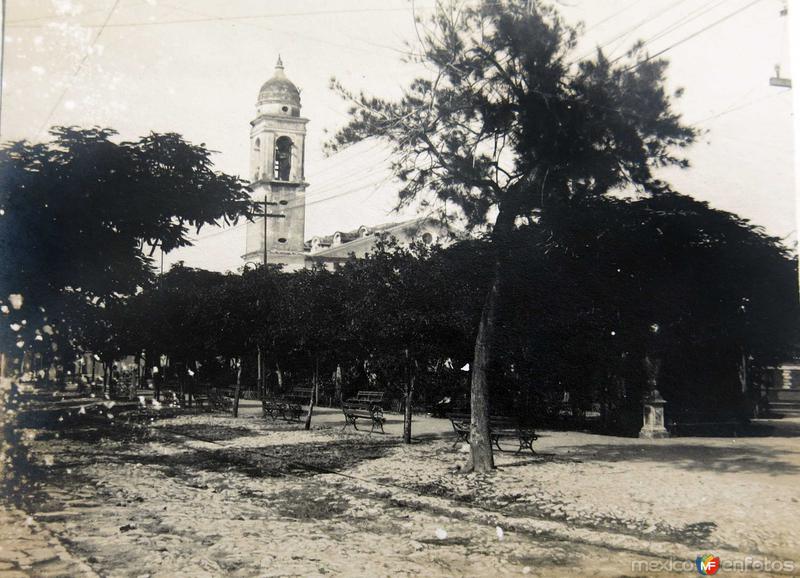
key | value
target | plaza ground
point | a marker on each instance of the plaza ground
(120, 490)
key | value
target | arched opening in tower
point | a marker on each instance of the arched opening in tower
(283, 158)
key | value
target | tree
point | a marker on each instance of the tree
(400, 311)
(308, 324)
(585, 284)
(510, 126)
(79, 212)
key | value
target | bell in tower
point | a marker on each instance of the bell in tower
(277, 156)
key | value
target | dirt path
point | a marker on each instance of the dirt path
(27, 548)
(144, 493)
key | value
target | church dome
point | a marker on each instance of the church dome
(279, 89)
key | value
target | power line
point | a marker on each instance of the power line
(79, 68)
(671, 27)
(204, 17)
(294, 205)
(633, 28)
(376, 185)
(683, 21)
(50, 16)
(212, 18)
(283, 30)
(739, 107)
(376, 142)
(333, 184)
(694, 35)
(614, 15)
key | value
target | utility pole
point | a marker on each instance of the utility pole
(784, 82)
(778, 80)
(267, 215)
(261, 372)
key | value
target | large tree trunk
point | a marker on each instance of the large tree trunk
(481, 458)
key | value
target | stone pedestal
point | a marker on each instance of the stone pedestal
(653, 417)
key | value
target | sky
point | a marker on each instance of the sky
(195, 67)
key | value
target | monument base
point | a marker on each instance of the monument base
(653, 434)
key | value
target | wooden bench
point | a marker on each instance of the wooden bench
(499, 428)
(367, 398)
(219, 401)
(354, 410)
(288, 407)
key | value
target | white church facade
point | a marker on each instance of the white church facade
(277, 170)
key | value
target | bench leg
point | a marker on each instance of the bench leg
(349, 420)
(461, 437)
(526, 442)
(496, 442)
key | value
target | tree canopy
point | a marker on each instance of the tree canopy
(79, 211)
(509, 125)
(82, 215)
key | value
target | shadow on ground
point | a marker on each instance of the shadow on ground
(733, 459)
(273, 461)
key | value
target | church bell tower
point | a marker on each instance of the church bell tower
(277, 157)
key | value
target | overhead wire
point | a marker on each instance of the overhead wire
(208, 18)
(631, 29)
(315, 201)
(739, 107)
(683, 21)
(614, 15)
(213, 18)
(694, 35)
(77, 70)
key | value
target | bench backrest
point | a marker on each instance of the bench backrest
(369, 396)
(355, 405)
(495, 421)
(303, 393)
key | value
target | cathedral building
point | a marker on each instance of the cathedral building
(277, 170)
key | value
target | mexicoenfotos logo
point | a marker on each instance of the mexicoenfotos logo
(707, 565)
